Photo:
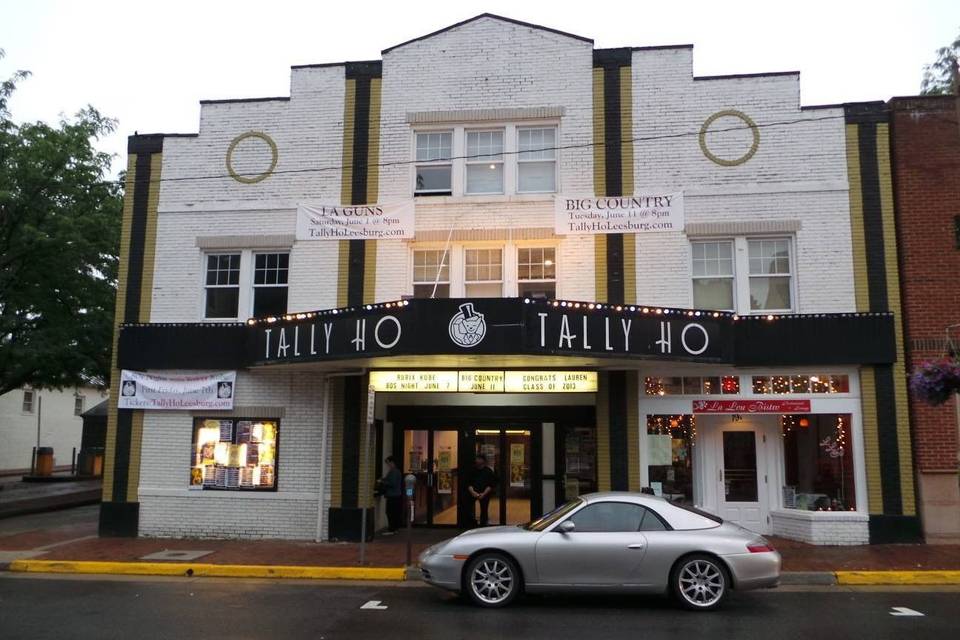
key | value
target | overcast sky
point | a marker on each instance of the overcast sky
(148, 64)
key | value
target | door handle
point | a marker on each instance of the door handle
(635, 545)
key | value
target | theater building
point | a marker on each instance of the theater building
(595, 268)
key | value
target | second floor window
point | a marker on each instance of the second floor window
(537, 160)
(431, 274)
(744, 275)
(78, 405)
(270, 277)
(223, 286)
(537, 272)
(483, 273)
(27, 406)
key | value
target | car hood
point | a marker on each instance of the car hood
(489, 530)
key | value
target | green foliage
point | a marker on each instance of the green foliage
(940, 78)
(59, 239)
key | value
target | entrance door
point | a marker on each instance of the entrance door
(742, 499)
(509, 453)
(431, 456)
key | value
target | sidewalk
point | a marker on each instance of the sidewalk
(68, 546)
(18, 497)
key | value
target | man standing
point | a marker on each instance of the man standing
(481, 484)
(391, 485)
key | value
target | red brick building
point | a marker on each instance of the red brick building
(925, 147)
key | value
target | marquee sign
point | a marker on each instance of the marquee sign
(496, 326)
(484, 381)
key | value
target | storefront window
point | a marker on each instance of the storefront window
(818, 459)
(580, 462)
(800, 384)
(234, 454)
(689, 386)
(670, 443)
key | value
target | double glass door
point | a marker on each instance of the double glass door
(446, 466)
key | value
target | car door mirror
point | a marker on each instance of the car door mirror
(567, 526)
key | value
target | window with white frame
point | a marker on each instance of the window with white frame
(431, 274)
(222, 286)
(537, 272)
(483, 273)
(434, 150)
(745, 275)
(713, 275)
(536, 160)
(270, 277)
(27, 406)
(484, 162)
(78, 401)
(770, 274)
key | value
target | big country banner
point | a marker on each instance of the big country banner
(643, 213)
(358, 222)
(187, 391)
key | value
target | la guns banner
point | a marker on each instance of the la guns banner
(355, 222)
(212, 391)
(644, 213)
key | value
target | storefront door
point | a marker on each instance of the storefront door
(431, 455)
(509, 453)
(741, 459)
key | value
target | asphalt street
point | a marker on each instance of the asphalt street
(38, 607)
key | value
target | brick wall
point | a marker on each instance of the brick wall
(926, 161)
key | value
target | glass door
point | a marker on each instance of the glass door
(740, 489)
(431, 456)
(503, 458)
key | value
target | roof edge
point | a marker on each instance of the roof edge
(737, 76)
(233, 100)
(480, 17)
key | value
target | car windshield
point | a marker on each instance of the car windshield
(545, 521)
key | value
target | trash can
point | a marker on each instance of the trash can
(45, 461)
(90, 462)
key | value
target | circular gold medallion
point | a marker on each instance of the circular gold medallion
(733, 114)
(248, 178)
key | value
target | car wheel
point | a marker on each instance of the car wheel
(700, 582)
(492, 580)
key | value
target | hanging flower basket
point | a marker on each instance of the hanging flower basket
(935, 381)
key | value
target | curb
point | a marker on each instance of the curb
(898, 577)
(808, 578)
(192, 570)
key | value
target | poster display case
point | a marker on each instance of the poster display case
(234, 454)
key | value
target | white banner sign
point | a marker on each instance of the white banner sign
(643, 213)
(359, 222)
(189, 391)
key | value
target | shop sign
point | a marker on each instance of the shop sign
(646, 212)
(485, 381)
(355, 222)
(751, 406)
(176, 391)
(550, 381)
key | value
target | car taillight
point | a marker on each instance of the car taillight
(759, 547)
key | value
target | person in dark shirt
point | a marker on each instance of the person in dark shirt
(480, 485)
(391, 485)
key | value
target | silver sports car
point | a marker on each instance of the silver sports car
(606, 542)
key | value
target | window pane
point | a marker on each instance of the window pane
(651, 522)
(769, 256)
(433, 178)
(608, 517)
(426, 291)
(426, 264)
(433, 146)
(712, 258)
(484, 146)
(484, 290)
(485, 178)
(271, 268)
(537, 176)
(537, 144)
(269, 301)
(223, 269)
(234, 454)
(222, 302)
(818, 462)
(770, 293)
(670, 445)
(483, 264)
(713, 293)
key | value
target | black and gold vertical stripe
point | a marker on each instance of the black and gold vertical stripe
(356, 284)
(886, 429)
(119, 512)
(615, 263)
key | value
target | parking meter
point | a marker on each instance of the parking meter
(409, 486)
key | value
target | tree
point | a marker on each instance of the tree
(941, 77)
(59, 238)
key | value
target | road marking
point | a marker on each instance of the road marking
(903, 611)
(375, 604)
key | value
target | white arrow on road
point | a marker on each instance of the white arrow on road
(375, 604)
(903, 611)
